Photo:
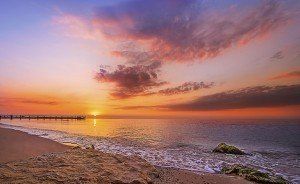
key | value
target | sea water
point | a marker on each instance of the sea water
(273, 145)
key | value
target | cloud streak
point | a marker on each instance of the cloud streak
(294, 74)
(8, 101)
(181, 31)
(185, 88)
(251, 97)
(278, 55)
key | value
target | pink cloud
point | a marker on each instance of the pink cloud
(131, 81)
(76, 26)
(183, 30)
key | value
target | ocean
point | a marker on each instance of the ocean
(273, 145)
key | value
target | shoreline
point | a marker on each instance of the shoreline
(24, 154)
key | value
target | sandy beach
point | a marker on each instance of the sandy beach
(17, 145)
(28, 158)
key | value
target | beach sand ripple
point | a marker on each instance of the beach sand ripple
(78, 166)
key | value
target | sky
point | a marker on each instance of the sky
(151, 58)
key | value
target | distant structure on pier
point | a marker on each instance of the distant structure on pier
(62, 117)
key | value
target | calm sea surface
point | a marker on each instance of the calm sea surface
(273, 145)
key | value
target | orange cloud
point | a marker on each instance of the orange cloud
(33, 101)
(294, 74)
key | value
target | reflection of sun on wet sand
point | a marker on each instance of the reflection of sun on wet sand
(31, 159)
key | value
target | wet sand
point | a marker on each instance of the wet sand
(172, 175)
(28, 158)
(16, 145)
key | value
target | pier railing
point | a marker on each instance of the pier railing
(42, 117)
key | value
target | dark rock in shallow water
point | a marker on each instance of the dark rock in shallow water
(225, 148)
(253, 174)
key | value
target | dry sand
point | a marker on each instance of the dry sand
(52, 162)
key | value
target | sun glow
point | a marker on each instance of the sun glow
(95, 113)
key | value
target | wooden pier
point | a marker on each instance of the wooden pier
(60, 117)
